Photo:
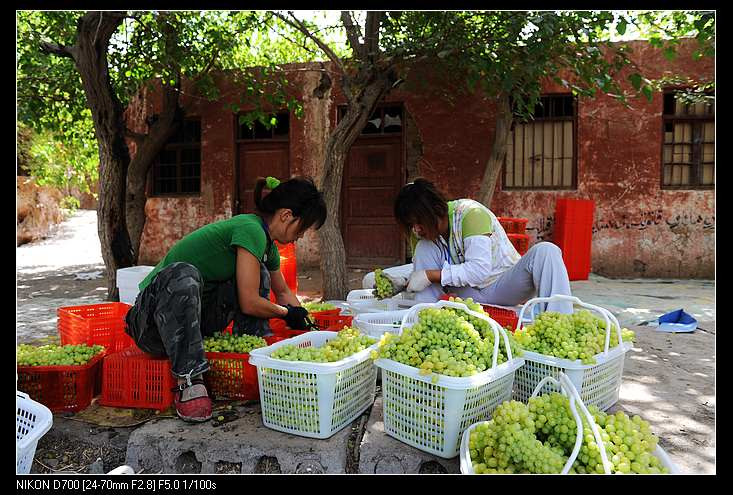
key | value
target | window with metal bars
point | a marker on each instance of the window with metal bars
(177, 170)
(541, 152)
(688, 147)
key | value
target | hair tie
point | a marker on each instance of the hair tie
(272, 183)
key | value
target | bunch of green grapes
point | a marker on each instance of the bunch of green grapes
(348, 341)
(482, 325)
(629, 443)
(240, 344)
(441, 342)
(313, 307)
(538, 437)
(384, 287)
(580, 335)
(56, 355)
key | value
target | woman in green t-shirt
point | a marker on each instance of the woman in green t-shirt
(460, 247)
(221, 273)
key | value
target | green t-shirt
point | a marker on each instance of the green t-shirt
(475, 222)
(213, 249)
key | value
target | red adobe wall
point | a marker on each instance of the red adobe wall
(639, 230)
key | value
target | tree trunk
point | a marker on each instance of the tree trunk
(333, 253)
(148, 148)
(90, 56)
(498, 150)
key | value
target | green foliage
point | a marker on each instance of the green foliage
(148, 48)
(513, 51)
(63, 163)
(70, 203)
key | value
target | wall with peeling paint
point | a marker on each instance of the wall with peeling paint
(639, 229)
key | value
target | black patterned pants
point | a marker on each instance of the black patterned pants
(175, 311)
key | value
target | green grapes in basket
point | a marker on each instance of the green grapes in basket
(316, 306)
(56, 355)
(581, 335)
(539, 437)
(444, 342)
(239, 344)
(348, 341)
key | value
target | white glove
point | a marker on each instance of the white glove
(418, 281)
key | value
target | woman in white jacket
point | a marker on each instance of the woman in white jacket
(460, 247)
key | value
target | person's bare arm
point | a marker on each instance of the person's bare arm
(280, 288)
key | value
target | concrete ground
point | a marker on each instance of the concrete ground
(669, 379)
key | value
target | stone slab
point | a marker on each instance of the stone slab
(243, 445)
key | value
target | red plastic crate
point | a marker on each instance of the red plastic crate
(513, 225)
(95, 324)
(288, 264)
(230, 375)
(133, 378)
(520, 242)
(575, 241)
(333, 322)
(574, 211)
(504, 317)
(61, 388)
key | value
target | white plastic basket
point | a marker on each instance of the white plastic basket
(313, 399)
(568, 389)
(432, 416)
(377, 324)
(32, 421)
(364, 301)
(598, 384)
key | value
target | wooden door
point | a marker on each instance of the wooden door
(259, 159)
(373, 176)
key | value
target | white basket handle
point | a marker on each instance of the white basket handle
(607, 315)
(569, 390)
(412, 313)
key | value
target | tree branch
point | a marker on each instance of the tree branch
(371, 35)
(298, 24)
(60, 50)
(352, 32)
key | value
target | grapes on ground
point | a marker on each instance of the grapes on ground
(348, 341)
(56, 355)
(538, 437)
(580, 335)
(239, 344)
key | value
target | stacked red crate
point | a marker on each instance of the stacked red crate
(573, 235)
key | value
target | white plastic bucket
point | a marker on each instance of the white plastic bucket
(128, 280)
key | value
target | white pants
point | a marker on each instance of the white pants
(540, 272)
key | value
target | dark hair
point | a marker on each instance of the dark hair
(419, 202)
(299, 195)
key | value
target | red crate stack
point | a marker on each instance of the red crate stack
(133, 378)
(61, 388)
(573, 235)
